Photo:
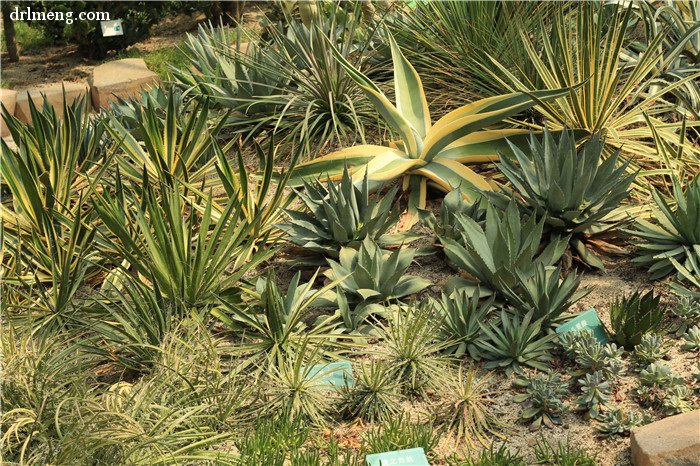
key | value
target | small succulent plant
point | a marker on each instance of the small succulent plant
(633, 316)
(678, 400)
(692, 339)
(687, 311)
(617, 422)
(592, 356)
(572, 341)
(595, 394)
(651, 349)
(653, 383)
(543, 398)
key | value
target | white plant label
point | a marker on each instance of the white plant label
(112, 28)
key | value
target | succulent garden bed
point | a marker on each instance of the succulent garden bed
(347, 239)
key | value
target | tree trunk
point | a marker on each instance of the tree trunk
(9, 31)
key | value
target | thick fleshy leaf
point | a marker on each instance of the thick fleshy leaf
(410, 98)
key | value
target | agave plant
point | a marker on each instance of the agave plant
(339, 215)
(675, 237)
(586, 44)
(454, 207)
(426, 152)
(502, 247)
(462, 316)
(515, 342)
(371, 275)
(545, 294)
(634, 316)
(572, 190)
(273, 325)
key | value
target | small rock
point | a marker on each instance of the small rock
(674, 441)
(122, 78)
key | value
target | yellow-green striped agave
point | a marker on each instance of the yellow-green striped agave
(426, 153)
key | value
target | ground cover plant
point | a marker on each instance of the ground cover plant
(278, 256)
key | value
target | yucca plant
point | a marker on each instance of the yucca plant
(469, 414)
(542, 398)
(515, 342)
(376, 395)
(545, 294)
(586, 44)
(426, 152)
(462, 315)
(339, 215)
(675, 236)
(505, 245)
(164, 237)
(631, 317)
(572, 190)
(679, 23)
(271, 324)
(371, 275)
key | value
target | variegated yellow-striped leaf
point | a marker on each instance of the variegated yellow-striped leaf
(410, 98)
(449, 174)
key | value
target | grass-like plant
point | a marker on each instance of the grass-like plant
(563, 453)
(400, 433)
(492, 456)
(376, 395)
(631, 317)
(572, 189)
(514, 342)
(469, 414)
(411, 348)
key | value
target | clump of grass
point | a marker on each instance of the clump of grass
(562, 454)
(160, 60)
(399, 433)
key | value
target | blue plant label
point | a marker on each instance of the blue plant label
(410, 457)
(334, 374)
(586, 321)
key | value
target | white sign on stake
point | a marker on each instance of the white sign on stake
(112, 28)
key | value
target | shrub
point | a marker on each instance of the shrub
(462, 316)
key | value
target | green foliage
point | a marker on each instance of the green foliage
(272, 440)
(376, 395)
(412, 350)
(469, 414)
(545, 294)
(590, 355)
(339, 215)
(617, 422)
(631, 317)
(678, 399)
(653, 383)
(542, 398)
(674, 238)
(400, 433)
(572, 190)
(514, 342)
(273, 325)
(462, 315)
(372, 275)
(492, 456)
(687, 310)
(595, 394)
(692, 339)
(650, 349)
(562, 454)
(455, 206)
(505, 245)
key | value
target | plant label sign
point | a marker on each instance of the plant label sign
(334, 374)
(112, 28)
(586, 321)
(410, 457)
